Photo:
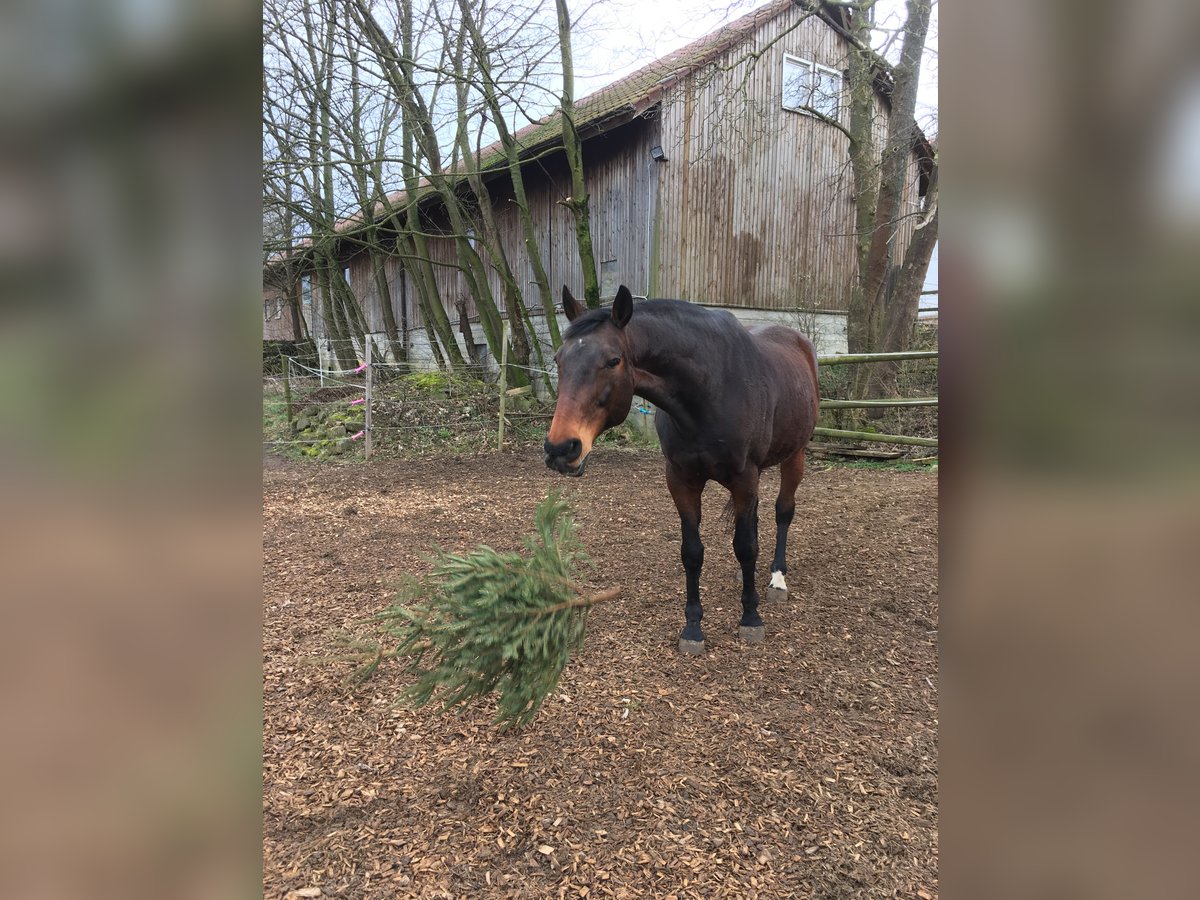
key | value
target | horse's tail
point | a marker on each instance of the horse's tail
(728, 516)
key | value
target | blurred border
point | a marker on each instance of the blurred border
(1070, 139)
(130, 196)
(129, 170)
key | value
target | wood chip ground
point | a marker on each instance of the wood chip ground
(802, 767)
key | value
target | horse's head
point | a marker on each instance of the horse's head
(595, 381)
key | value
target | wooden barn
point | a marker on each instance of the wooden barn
(706, 183)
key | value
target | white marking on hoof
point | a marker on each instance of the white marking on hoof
(778, 582)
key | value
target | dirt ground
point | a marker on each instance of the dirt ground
(802, 767)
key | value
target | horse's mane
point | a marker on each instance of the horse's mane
(697, 319)
(588, 322)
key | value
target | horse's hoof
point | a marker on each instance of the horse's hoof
(691, 648)
(777, 591)
(752, 634)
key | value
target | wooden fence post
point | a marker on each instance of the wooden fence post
(367, 403)
(503, 381)
(287, 387)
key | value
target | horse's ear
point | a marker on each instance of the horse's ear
(622, 308)
(572, 307)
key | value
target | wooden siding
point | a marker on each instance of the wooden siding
(277, 315)
(756, 200)
(621, 189)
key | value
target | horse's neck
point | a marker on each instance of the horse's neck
(669, 375)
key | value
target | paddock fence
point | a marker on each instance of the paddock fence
(396, 406)
(900, 403)
(404, 407)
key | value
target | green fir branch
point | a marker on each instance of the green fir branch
(486, 621)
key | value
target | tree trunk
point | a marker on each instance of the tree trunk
(578, 202)
(433, 312)
(870, 298)
(894, 163)
(865, 174)
(905, 300)
(396, 341)
(464, 328)
(356, 320)
(299, 326)
(490, 236)
(336, 332)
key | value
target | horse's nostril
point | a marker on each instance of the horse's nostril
(567, 450)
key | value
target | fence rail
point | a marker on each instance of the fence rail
(856, 358)
(872, 436)
(846, 358)
(872, 404)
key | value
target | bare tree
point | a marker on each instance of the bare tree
(468, 226)
(492, 95)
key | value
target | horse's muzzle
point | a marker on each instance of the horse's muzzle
(564, 457)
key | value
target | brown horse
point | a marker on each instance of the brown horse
(731, 401)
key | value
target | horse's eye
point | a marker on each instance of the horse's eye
(613, 363)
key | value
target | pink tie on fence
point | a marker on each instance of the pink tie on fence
(360, 369)
(355, 437)
(358, 401)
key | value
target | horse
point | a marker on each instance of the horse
(730, 402)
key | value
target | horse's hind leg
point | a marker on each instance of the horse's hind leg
(790, 473)
(745, 546)
(686, 495)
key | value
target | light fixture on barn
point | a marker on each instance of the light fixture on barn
(656, 153)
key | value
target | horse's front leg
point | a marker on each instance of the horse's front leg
(686, 495)
(745, 546)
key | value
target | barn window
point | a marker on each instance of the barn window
(808, 87)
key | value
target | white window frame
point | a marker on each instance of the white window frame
(813, 68)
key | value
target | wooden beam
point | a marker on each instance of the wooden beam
(872, 436)
(844, 358)
(871, 404)
(835, 450)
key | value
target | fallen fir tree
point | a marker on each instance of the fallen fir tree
(488, 621)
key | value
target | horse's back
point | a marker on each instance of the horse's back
(793, 359)
(788, 346)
